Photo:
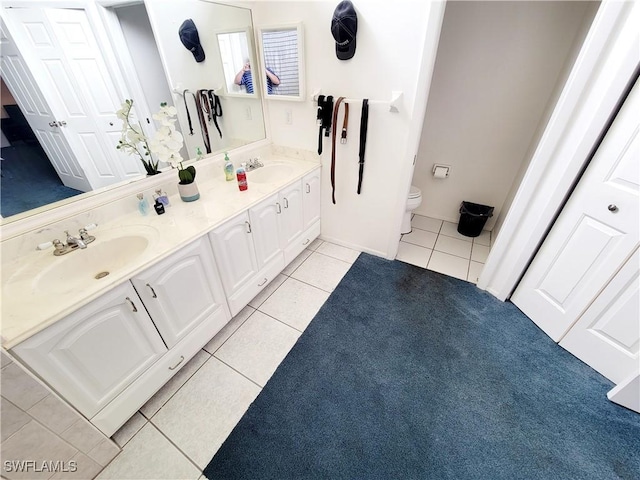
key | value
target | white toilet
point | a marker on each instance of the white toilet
(413, 202)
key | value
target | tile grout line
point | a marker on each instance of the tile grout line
(178, 448)
(174, 393)
(284, 323)
(232, 333)
(240, 373)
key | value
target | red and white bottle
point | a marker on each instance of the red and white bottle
(242, 179)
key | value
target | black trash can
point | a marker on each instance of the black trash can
(473, 218)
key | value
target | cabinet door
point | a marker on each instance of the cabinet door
(264, 226)
(311, 196)
(234, 252)
(93, 354)
(291, 219)
(181, 291)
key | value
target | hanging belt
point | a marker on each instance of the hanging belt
(325, 110)
(364, 120)
(202, 119)
(333, 150)
(215, 109)
(184, 97)
(345, 122)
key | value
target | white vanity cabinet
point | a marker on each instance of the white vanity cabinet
(181, 291)
(248, 251)
(92, 355)
(311, 194)
(254, 247)
(264, 219)
(290, 219)
(110, 356)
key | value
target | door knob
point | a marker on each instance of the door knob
(62, 123)
(54, 124)
(613, 208)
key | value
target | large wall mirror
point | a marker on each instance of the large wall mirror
(59, 105)
(282, 56)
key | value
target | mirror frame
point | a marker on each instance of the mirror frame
(252, 60)
(301, 64)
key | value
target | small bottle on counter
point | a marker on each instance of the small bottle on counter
(143, 205)
(228, 168)
(162, 197)
(199, 154)
(242, 179)
(158, 207)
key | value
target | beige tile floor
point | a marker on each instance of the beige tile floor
(177, 432)
(436, 245)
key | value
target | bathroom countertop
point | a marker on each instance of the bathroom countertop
(33, 298)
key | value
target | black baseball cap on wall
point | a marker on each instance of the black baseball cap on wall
(191, 40)
(344, 26)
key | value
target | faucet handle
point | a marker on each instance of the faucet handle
(85, 237)
(59, 245)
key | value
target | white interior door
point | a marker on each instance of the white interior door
(63, 54)
(38, 114)
(595, 234)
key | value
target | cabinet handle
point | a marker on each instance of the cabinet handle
(308, 188)
(278, 207)
(153, 292)
(132, 305)
(179, 362)
(263, 282)
(305, 242)
(286, 203)
(248, 226)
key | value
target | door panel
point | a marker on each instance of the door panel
(607, 336)
(593, 237)
(38, 112)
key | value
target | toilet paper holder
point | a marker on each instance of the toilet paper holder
(440, 171)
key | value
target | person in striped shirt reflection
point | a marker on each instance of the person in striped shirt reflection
(244, 78)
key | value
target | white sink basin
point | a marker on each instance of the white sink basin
(80, 268)
(269, 173)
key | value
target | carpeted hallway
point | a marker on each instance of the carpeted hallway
(407, 373)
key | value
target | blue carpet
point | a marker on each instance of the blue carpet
(28, 179)
(408, 374)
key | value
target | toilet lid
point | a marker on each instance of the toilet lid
(414, 192)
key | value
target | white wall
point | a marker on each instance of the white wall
(137, 31)
(388, 57)
(498, 66)
(166, 16)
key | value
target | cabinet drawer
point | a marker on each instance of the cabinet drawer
(301, 242)
(252, 288)
(116, 413)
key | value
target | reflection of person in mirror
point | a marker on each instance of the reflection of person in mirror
(244, 78)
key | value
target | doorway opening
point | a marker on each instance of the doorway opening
(27, 178)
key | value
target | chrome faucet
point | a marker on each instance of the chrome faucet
(72, 243)
(75, 241)
(254, 163)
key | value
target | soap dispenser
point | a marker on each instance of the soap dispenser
(228, 168)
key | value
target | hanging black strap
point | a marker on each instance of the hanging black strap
(215, 109)
(325, 112)
(364, 120)
(203, 121)
(184, 97)
(319, 121)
